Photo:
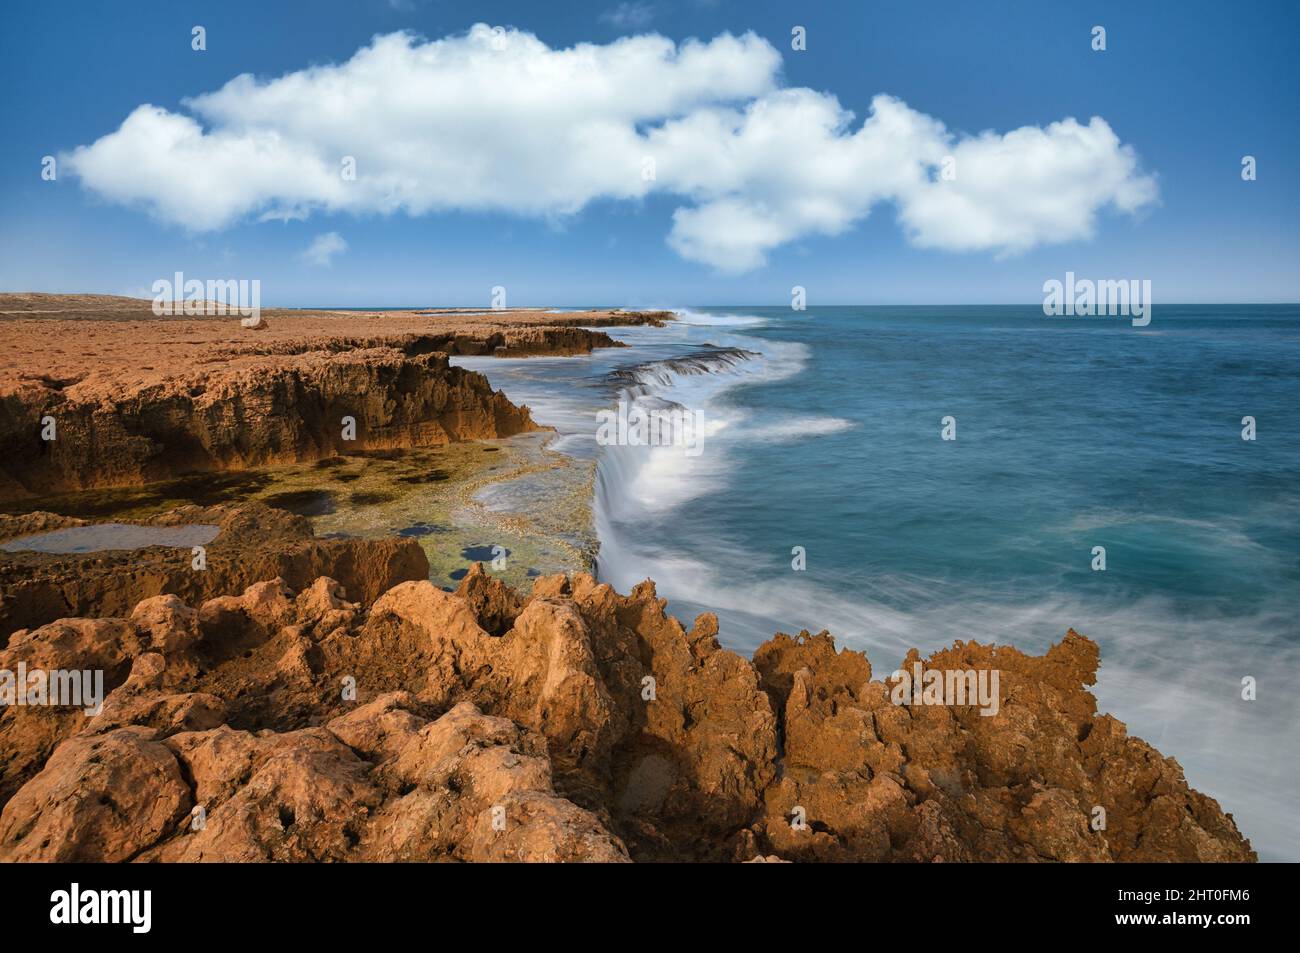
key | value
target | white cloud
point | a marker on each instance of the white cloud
(1028, 187)
(322, 250)
(498, 121)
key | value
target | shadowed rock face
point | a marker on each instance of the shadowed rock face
(571, 724)
(281, 410)
(133, 398)
(254, 542)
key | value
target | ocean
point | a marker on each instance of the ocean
(821, 445)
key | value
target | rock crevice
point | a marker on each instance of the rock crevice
(573, 723)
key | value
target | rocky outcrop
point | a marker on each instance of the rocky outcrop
(292, 724)
(293, 409)
(1044, 779)
(254, 542)
(109, 394)
(559, 340)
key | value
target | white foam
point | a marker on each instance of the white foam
(1167, 676)
(797, 428)
(642, 482)
(1170, 679)
(703, 319)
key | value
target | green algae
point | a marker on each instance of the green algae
(513, 504)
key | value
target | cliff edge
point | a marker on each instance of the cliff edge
(571, 724)
(96, 391)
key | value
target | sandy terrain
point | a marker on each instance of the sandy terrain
(62, 340)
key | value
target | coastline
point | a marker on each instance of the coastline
(112, 396)
(909, 801)
(706, 530)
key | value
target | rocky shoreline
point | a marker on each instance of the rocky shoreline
(254, 542)
(99, 394)
(572, 724)
(305, 699)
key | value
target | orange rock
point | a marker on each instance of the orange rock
(142, 400)
(99, 798)
(255, 543)
(574, 724)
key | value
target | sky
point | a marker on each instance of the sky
(514, 153)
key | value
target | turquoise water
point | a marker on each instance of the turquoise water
(1071, 433)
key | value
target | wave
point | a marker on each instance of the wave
(704, 319)
(1164, 671)
(1165, 675)
(1218, 533)
(706, 359)
(640, 482)
(797, 428)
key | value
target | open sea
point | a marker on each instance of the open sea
(821, 429)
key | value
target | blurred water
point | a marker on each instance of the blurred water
(1071, 433)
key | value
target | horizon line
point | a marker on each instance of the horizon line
(659, 307)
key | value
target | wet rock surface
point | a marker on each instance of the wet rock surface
(123, 397)
(294, 408)
(255, 542)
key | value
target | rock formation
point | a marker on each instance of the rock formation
(289, 723)
(254, 542)
(293, 409)
(98, 392)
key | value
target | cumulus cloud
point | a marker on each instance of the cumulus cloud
(323, 248)
(495, 120)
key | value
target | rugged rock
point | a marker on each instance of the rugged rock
(255, 542)
(99, 798)
(281, 410)
(882, 781)
(291, 724)
(99, 392)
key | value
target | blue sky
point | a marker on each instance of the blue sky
(1191, 87)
